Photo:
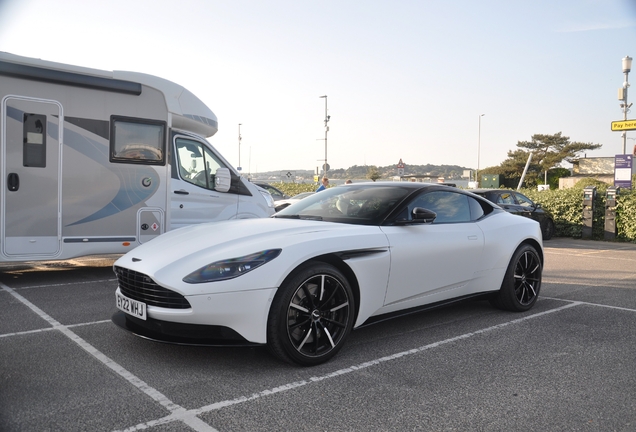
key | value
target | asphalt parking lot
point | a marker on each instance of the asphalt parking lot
(568, 364)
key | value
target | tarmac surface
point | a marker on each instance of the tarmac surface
(568, 364)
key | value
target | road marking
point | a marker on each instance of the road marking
(190, 417)
(290, 386)
(578, 302)
(66, 284)
(52, 328)
(178, 412)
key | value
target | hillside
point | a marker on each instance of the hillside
(449, 172)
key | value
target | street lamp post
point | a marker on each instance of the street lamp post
(326, 167)
(239, 147)
(627, 66)
(478, 150)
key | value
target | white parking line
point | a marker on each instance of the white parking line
(290, 386)
(190, 417)
(51, 328)
(66, 284)
(177, 412)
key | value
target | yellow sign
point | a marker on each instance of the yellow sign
(624, 125)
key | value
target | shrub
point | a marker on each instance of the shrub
(566, 206)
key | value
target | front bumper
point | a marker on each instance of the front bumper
(180, 334)
(218, 318)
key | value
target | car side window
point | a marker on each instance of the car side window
(505, 198)
(523, 200)
(450, 207)
(197, 163)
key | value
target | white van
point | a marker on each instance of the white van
(96, 162)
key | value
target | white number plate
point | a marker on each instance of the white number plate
(131, 307)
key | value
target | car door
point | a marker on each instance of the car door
(194, 199)
(506, 200)
(436, 261)
(529, 208)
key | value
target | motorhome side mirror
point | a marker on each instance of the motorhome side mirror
(222, 180)
(423, 215)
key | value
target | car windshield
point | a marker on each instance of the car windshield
(356, 204)
(302, 195)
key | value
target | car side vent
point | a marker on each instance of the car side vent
(140, 287)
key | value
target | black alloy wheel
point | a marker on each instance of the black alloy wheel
(311, 316)
(522, 281)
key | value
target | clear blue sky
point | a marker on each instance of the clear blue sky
(404, 79)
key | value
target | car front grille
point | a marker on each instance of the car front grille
(138, 286)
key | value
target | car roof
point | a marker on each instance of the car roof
(484, 190)
(409, 185)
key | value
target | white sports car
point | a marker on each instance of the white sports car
(301, 280)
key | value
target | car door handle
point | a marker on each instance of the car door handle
(182, 192)
(472, 237)
(13, 182)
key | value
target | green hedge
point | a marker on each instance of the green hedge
(566, 206)
(292, 189)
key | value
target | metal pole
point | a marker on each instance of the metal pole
(239, 146)
(525, 170)
(478, 150)
(625, 109)
(627, 66)
(326, 130)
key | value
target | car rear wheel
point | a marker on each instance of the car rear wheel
(547, 230)
(522, 281)
(311, 315)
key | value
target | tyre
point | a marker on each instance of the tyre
(311, 316)
(547, 230)
(522, 281)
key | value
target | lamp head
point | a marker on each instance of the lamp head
(627, 64)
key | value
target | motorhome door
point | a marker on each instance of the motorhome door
(31, 137)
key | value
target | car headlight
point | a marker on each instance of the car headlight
(268, 199)
(231, 268)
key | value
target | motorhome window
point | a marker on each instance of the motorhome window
(197, 163)
(137, 141)
(34, 140)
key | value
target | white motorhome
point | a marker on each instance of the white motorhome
(98, 162)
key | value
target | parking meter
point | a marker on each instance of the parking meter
(589, 196)
(610, 213)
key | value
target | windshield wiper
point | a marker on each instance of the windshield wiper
(310, 217)
(296, 216)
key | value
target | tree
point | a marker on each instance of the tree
(373, 173)
(548, 151)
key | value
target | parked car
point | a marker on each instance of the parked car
(276, 193)
(517, 203)
(301, 280)
(287, 202)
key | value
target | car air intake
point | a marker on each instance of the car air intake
(138, 286)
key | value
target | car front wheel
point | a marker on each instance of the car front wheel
(311, 315)
(522, 281)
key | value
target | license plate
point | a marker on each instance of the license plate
(131, 307)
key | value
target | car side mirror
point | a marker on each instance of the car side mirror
(222, 180)
(419, 215)
(423, 215)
